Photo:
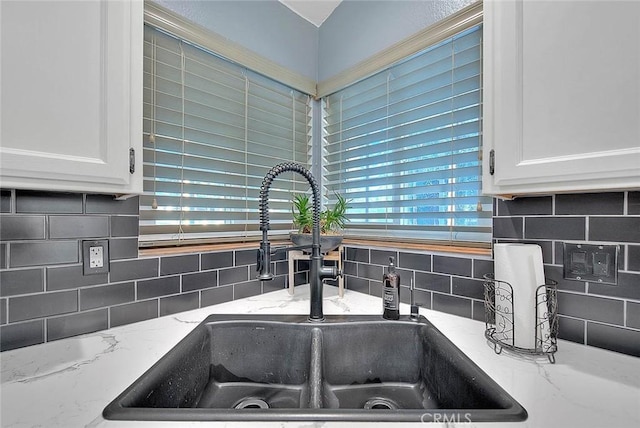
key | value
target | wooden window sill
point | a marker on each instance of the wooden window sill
(202, 248)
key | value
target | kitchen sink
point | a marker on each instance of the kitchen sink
(284, 367)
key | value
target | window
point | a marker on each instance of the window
(212, 130)
(404, 147)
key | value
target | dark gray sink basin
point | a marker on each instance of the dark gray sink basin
(284, 367)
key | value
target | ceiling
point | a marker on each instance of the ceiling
(314, 11)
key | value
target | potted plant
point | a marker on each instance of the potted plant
(332, 220)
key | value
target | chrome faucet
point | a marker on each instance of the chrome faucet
(318, 272)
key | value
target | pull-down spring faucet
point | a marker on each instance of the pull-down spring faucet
(318, 272)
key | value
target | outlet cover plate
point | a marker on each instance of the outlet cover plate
(593, 263)
(90, 265)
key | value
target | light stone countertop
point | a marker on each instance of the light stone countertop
(67, 383)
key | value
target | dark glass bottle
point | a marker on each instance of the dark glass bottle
(391, 293)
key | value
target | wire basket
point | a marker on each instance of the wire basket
(499, 316)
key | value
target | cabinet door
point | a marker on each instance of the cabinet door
(561, 96)
(71, 95)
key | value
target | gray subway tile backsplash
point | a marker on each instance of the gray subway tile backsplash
(466, 287)
(122, 226)
(66, 277)
(357, 254)
(415, 261)
(381, 257)
(278, 283)
(43, 253)
(233, 275)
(571, 329)
(422, 298)
(282, 268)
(372, 272)
(107, 204)
(525, 206)
(350, 268)
(592, 308)
(478, 310)
(78, 323)
(590, 204)
(452, 265)
(71, 226)
(133, 312)
(556, 273)
(123, 248)
(35, 201)
(614, 229)
(42, 305)
(222, 259)
(433, 282)
(157, 287)
(21, 281)
(199, 280)
(633, 203)
(124, 270)
(15, 227)
(508, 227)
(45, 296)
(3, 255)
(357, 283)
(246, 289)
(452, 305)
(180, 303)
(22, 334)
(616, 339)
(214, 296)
(628, 287)
(633, 315)
(106, 295)
(179, 264)
(249, 257)
(482, 267)
(43, 279)
(633, 257)
(5, 201)
(562, 228)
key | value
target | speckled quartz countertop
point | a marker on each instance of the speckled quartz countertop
(68, 383)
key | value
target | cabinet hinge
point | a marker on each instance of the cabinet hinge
(492, 162)
(132, 161)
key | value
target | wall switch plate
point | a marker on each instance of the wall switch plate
(593, 263)
(95, 256)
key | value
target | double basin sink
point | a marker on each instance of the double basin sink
(285, 368)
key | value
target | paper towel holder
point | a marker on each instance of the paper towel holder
(500, 330)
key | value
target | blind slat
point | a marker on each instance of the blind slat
(217, 129)
(403, 147)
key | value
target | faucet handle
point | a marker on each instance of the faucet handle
(263, 261)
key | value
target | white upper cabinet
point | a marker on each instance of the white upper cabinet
(561, 96)
(71, 90)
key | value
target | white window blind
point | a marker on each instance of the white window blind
(212, 131)
(404, 147)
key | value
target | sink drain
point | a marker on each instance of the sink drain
(380, 403)
(252, 403)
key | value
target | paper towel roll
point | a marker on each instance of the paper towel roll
(521, 266)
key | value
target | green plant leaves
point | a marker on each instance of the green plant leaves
(332, 220)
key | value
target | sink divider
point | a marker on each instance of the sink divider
(315, 371)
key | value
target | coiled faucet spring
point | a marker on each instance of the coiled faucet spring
(317, 272)
(268, 180)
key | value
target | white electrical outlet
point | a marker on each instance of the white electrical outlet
(96, 257)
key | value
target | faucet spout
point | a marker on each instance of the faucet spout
(318, 272)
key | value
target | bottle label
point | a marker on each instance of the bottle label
(390, 298)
